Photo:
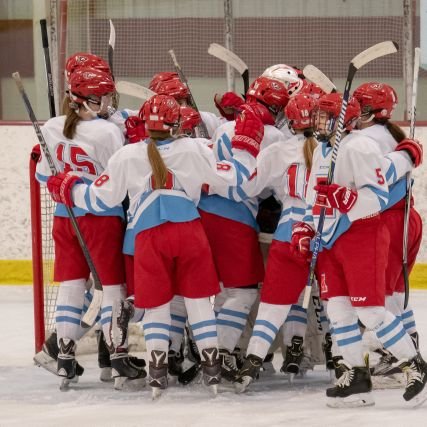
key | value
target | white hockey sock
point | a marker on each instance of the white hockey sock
(389, 330)
(220, 299)
(267, 324)
(69, 309)
(324, 319)
(111, 293)
(202, 321)
(231, 319)
(345, 328)
(407, 314)
(178, 319)
(295, 324)
(156, 325)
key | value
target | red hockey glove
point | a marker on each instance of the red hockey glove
(248, 133)
(36, 153)
(302, 234)
(228, 104)
(261, 111)
(60, 187)
(414, 149)
(335, 196)
(135, 129)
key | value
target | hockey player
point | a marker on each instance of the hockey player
(378, 101)
(164, 177)
(83, 144)
(231, 227)
(283, 167)
(354, 252)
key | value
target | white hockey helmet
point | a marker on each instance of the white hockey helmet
(287, 75)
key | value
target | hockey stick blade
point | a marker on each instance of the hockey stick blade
(316, 76)
(228, 57)
(111, 46)
(376, 51)
(134, 89)
(92, 312)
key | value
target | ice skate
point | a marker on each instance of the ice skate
(267, 364)
(211, 368)
(104, 361)
(415, 371)
(293, 358)
(124, 370)
(338, 368)
(158, 372)
(248, 373)
(229, 369)
(175, 360)
(353, 388)
(67, 364)
(386, 364)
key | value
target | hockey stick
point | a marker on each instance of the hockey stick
(134, 89)
(203, 132)
(377, 51)
(95, 305)
(111, 46)
(408, 197)
(45, 43)
(232, 59)
(316, 76)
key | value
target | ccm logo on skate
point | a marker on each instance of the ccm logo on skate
(358, 299)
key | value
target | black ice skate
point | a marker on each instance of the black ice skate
(104, 361)
(416, 340)
(267, 364)
(338, 367)
(175, 360)
(229, 369)
(237, 353)
(66, 362)
(386, 364)
(353, 388)
(293, 358)
(248, 373)
(47, 358)
(158, 372)
(415, 371)
(211, 367)
(122, 369)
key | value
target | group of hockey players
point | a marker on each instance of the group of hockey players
(172, 222)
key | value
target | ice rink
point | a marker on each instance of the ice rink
(29, 396)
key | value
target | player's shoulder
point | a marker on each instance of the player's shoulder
(55, 123)
(357, 141)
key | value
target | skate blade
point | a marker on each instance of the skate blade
(106, 375)
(156, 392)
(418, 400)
(65, 384)
(129, 384)
(387, 383)
(332, 377)
(43, 360)
(243, 385)
(213, 389)
(353, 401)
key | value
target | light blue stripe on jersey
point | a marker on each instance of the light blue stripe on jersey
(226, 208)
(163, 209)
(391, 174)
(382, 196)
(283, 231)
(397, 192)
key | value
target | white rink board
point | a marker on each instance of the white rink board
(15, 237)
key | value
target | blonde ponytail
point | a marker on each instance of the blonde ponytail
(160, 171)
(310, 144)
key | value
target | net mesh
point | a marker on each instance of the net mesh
(265, 33)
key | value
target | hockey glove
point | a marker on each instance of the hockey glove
(302, 234)
(260, 111)
(414, 149)
(36, 153)
(335, 196)
(60, 187)
(248, 133)
(135, 129)
(228, 105)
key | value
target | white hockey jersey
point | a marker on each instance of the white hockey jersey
(281, 169)
(359, 165)
(212, 121)
(227, 202)
(120, 116)
(190, 163)
(87, 154)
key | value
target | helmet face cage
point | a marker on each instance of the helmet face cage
(299, 111)
(161, 113)
(377, 100)
(269, 92)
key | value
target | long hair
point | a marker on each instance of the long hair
(396, 131)
(70, 125)
(160, 171)
(310, 144)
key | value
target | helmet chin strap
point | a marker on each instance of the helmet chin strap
(90, 111)
(368, 118)
(95, 114)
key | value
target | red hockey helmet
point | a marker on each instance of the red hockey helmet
(270, 92)
(168, 83)
(190, 118)
(375, 98)
(331, 103)
(160, 112)
(83, 59)
(313, 90)
(299, 111)
(90, 84)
